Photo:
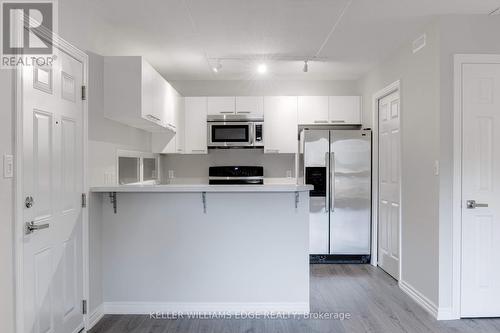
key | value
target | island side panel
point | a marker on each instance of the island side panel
(249, 251)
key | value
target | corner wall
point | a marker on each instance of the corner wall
(419, 76)
(473, 34)
(7, 140)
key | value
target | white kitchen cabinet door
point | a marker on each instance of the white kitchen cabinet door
(133, 94)
(172, 107)
(250, 106)
(153, 98)
(221, 106)
(313, 110)
(345, 110)
(195, 113)
(180, 121)
(280, 127)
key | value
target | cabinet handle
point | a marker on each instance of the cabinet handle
(272, 150)
(227, 112)
(243, 112)
(321, 121)
(198, 150)
(337, 121)
(153, 117)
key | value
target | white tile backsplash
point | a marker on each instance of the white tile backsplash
(193, 169)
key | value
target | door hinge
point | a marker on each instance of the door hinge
(84, 93)
(84, 306)
(84, 200)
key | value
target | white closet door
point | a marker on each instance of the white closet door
(53, 177)
(389, 184)
(481, 182)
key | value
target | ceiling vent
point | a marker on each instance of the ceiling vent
(419, 43)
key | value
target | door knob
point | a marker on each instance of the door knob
(472, 204)
(31, 227)
(28, 202)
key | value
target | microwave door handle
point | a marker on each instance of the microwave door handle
(332, 181)
(251, 134)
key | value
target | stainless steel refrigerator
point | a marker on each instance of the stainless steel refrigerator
(338, 164)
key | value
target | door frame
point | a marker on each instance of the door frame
(391, 88)
(18, 187)
(460, 60)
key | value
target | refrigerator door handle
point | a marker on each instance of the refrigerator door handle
(327, 184)
(332, 182)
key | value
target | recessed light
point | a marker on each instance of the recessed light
(217, 67)
(262, 69)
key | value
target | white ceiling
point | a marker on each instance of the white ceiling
(180, 37)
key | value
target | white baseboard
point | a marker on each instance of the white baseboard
(447, 314)
(95, 316)
(419, 298)
(185, 308)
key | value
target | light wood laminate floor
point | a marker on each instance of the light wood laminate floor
(368, 294)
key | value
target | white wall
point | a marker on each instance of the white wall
(265, 88)
(6, 203)
(107, 136)
(419, 75)
(459, 34)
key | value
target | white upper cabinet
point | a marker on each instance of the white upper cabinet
(195, 113)
(221, 106)
(169, 142)
(250, 106)
(280, 124)
(313, 110)
(135, 94)
(345, 110)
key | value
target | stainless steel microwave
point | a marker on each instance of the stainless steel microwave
(235, 133)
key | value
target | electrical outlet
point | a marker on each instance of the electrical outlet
(109, 178)
(288, 173)
(8, 166)
(171, 174)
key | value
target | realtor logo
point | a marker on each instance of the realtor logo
(27, 29)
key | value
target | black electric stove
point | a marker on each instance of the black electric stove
(236, 175)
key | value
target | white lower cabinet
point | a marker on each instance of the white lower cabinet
(280, 125)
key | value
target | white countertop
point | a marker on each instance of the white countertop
(204, 188)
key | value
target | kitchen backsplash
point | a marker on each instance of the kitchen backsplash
(193, 169)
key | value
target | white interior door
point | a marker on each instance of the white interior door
(481, 182)
(389, 184)
(53, 177)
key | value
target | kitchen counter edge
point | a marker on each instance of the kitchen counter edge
(202, 188)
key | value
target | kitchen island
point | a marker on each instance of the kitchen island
(199, 248)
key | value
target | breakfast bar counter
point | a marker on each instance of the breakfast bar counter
(199, 248)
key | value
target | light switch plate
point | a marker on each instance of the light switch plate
(436, 168)
(8, 166)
